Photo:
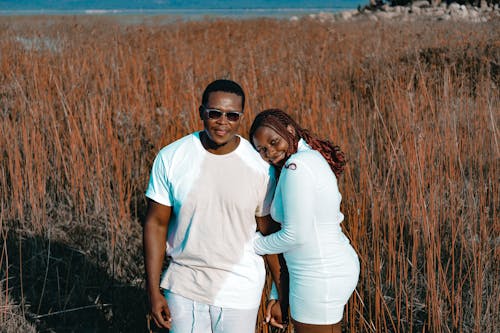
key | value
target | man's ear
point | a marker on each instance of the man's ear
(291, 130)
(200, 110)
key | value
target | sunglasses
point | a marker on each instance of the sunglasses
(215, 114)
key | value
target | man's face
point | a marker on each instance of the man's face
(222, 130)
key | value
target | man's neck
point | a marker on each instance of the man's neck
(217, 149)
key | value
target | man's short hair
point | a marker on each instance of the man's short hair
(225, 86)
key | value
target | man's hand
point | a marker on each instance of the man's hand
(154, 236)
(159, 311)
(273, 314)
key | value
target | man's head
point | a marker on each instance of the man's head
(225, 86)
(221, 110)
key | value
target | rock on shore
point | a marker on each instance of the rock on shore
(418, 10)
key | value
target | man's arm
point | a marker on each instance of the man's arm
(266, 225)
(154, 242)
(279, 273)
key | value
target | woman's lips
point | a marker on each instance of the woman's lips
(278, 160)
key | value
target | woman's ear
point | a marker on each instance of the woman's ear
(291, 130)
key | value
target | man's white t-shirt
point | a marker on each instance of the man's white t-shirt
(214, 200)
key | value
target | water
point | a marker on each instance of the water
(179, 8)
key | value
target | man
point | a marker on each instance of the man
(209, 190)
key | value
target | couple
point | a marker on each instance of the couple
(210, 191)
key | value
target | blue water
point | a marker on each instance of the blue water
(183, 8)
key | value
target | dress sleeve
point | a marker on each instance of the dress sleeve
(297, 191)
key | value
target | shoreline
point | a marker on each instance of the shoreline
(417, 11)
(184, 12)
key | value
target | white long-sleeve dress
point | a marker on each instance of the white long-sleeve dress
(323, 266)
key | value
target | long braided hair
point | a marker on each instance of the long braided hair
(279, 121)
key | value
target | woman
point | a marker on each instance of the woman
(322, 265)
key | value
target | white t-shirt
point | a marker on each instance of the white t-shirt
(214, 200)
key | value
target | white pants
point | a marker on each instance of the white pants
(190, 316)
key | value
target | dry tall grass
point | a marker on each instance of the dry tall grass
(86, 103)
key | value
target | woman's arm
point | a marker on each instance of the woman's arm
(297, 198)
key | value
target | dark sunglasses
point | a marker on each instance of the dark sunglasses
(215, 114)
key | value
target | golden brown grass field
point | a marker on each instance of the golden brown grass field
(86, 103)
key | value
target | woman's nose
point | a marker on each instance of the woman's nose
(270, 152)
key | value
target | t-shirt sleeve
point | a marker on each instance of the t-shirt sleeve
(159, 187)
(267, 194)
(298, 205)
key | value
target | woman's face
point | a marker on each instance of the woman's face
(271, 146)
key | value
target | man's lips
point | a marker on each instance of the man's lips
(220, 131)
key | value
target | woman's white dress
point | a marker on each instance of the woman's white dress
(323, 266)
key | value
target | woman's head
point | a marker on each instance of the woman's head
(275, 135)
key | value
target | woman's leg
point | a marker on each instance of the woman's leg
(311, 328)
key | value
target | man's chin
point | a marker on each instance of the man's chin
(221, 141)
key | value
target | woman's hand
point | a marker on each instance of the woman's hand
(273, 314)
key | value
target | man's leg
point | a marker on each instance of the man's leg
(188, 316)
(233, 320)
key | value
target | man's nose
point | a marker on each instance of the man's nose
(222, 119)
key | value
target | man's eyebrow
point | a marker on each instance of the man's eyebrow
(222, 109)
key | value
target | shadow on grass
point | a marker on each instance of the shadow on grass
(61, 290)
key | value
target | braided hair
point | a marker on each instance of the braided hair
(279, 121)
